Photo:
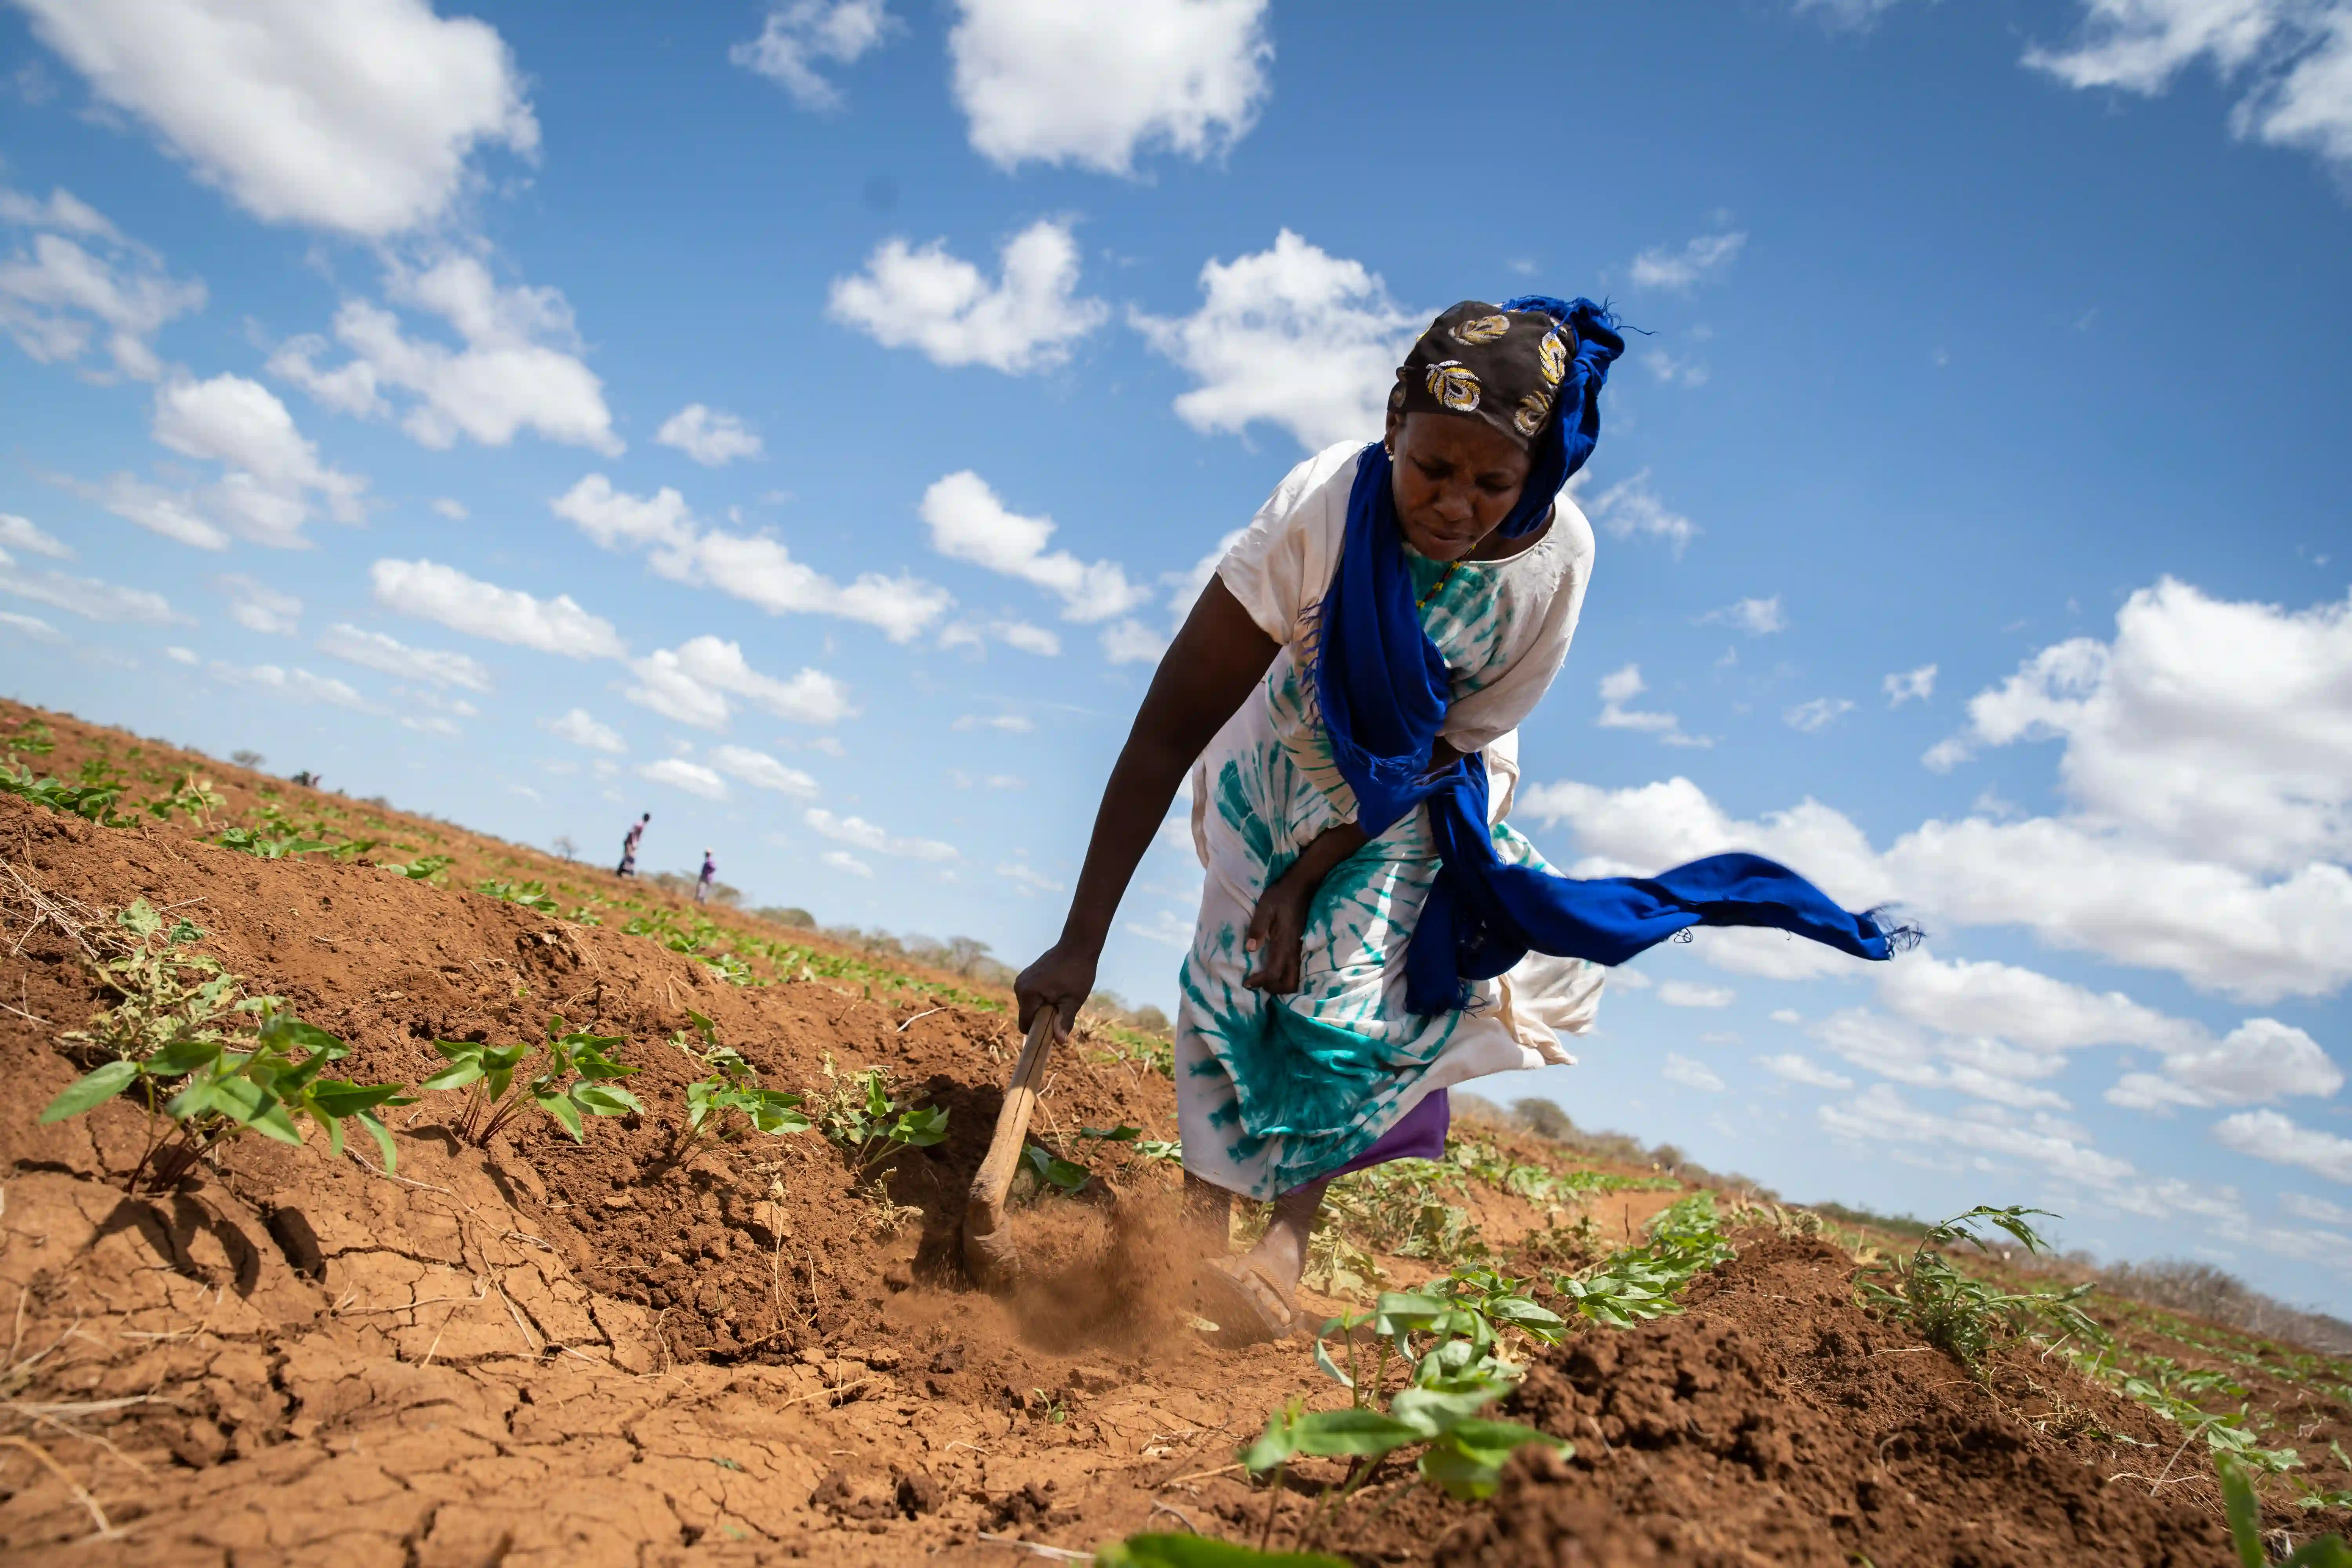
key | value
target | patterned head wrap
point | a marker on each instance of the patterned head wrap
(1532, 368)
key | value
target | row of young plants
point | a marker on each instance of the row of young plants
(208, 1064)
(100, 788)
(1965, 1316)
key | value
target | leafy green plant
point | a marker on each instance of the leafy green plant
(864, 1119)
(1639, 1283)
(192, 797)
(530, 895)
(91, 800)
(1962, 1315)
(1148, 1148)
(576, 1078)
(733, 1087)
(2246, 1515)
(1400, 1208)
(2161, 1384)
(1052, 1171)
(267, 845)
(33, 737)
(179, 1041)
(423, 868)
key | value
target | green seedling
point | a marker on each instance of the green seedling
(1959, 1315)
(193, 797)
(733, 1086)
(1400, 1208)
(1052, 1171)
(423, 868)
(1201, 1552)
(32, 737)
(178, 1049)
(267, 846)
(1148, 1148)
(92, 799)
(1639, 1283)
(530, 895)
(865, 1119)
(2246, 1515)
(497, 1092)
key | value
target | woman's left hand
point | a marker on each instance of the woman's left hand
(1275, 931)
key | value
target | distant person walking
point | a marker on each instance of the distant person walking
(637, 833)
(710, 875)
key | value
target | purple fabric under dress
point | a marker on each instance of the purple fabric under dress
(1419, 1134)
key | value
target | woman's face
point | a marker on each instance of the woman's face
(1456, 478)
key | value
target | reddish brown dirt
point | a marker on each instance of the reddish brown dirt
(548, 1352)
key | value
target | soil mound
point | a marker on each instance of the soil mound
(1776, 1424)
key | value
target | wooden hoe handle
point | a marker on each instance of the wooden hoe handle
(987, 1249)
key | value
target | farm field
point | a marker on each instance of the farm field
(687, 1288)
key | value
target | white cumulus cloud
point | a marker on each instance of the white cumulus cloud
(434, 667)
(692, 683)
(710, 436)
(87, 596)
(1062, 82)
(798, 36)
(1910, 685)
(581, 728)
(1686, 993)
(926, 299)
(271, 475)
(843, 860)
(1629, 509)
(515, 365)
(2206, 840)
(2260, 1061)
(1799, 1069)
(1817, 715)
(295, 685)
(860, 834)
(258, 607)
(1678, 271)
(435, 593)
(1622, 685)
(2219, 728)
(2268, 1135)
(1292, 336)
(968, 523)
(1682, 1069)
(763, 772)
(24, 533)
(78, 279)
(691, 777)
(353, 115)
(757, 568)
(2293, 60)
(1757, 617)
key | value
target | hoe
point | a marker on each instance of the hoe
(988, 1253)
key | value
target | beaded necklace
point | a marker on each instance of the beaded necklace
(1442, 578)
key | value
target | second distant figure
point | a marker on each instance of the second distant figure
(629, 867)
(710, 875)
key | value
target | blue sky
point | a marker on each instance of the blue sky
(804, 422)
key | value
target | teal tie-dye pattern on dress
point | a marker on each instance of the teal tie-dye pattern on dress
(1281, 1090)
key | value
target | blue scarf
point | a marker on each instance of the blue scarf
(1383, 690)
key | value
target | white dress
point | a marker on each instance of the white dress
(1273, 1091)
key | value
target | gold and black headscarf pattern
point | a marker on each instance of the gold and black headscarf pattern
(1487, 362)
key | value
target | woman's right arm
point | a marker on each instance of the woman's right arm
(1218, 657)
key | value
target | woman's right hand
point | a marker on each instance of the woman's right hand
(1062, 978)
